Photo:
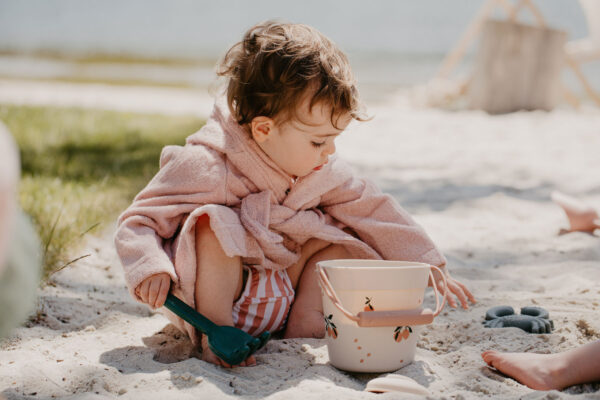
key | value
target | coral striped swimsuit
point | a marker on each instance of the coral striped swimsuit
(265, 302)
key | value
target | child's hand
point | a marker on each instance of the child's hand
(154, 289)
(455, 287)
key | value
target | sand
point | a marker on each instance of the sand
(481, 187)
(164, 100)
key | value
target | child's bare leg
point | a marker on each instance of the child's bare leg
(306, 315)
(549, 371)
(218, 284)
(309, 249)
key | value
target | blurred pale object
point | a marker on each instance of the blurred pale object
(396, 383)
(587, 49)
(9, 177)
(21, 275)
(582, 217)
(517, 68)
(575, 52)
(20, 256)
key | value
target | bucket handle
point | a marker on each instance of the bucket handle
(387, 318)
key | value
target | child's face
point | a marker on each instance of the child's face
(302, 144)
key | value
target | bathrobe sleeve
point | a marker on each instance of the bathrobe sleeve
(189, 176)
(380, 222)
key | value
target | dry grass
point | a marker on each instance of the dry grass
(80, 168)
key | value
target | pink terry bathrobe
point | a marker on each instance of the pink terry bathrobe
(256, 211)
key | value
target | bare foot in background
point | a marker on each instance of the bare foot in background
(549, 371)
(537, 371)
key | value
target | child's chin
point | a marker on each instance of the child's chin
(305, 173)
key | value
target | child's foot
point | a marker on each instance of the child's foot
(209, 356)
(537, 371)
(305, 324)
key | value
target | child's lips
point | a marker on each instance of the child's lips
(319, 167)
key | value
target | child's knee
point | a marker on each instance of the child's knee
(337, 251)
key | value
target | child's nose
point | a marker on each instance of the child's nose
(330, 149)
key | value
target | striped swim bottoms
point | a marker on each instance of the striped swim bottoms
(265, 302)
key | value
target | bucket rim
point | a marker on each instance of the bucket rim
(375, 264)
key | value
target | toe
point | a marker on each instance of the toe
(489, 356)
(248, 362)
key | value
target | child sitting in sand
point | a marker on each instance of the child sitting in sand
(235, 221)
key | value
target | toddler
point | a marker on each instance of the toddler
(235, 221)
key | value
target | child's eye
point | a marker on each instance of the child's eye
(315, 144)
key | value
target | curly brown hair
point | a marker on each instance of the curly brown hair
(270, 70)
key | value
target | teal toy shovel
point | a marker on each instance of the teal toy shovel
(230, 344)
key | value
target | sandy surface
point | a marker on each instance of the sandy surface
(165, 100)
(481, 187)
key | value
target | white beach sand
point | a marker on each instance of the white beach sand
(481, 187)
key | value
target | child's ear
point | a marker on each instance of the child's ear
(261, 127)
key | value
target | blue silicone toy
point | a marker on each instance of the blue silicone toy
(531, 319)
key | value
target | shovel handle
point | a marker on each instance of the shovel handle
(189, 315)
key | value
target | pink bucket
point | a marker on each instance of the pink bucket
(374, 311)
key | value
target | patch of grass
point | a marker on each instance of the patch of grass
(81, 168)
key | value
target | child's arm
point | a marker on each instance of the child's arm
(154, 289)
(459, 289)
(189, 177)
(380, 222)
